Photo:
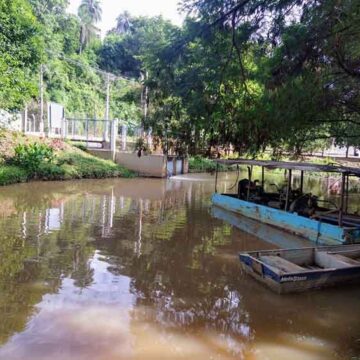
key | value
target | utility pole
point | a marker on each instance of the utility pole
(107, 108)
(41, 88)
(107, 111)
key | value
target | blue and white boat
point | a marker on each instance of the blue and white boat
(291, 209)
(297, 270)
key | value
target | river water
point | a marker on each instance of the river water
(140, 269)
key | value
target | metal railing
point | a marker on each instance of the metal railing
(89, 130)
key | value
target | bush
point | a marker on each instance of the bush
(200, 164)
(88, 166)
(10, 174)
(49, 171)
(31, 156)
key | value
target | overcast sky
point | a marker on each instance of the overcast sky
(112, 8)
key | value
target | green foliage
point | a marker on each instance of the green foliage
(69, 164)
(20, 52)
(51, 171)
(118, 54)
(222, 79)
(83, 165)
(50, 159)
(31, 156)
(201, 164)
(10, 174)
(225, 80)
(90, 11)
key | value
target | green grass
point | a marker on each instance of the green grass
(10, 174)
(82, 165)
(67, 165)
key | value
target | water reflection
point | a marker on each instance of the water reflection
(139, 269)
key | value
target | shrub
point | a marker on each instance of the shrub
(12, 174)
(49, 171)
(198, 163)
(31, 156)
(68, 160)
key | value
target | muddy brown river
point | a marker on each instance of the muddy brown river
(142, 269)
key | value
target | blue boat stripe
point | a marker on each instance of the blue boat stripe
(308, 228)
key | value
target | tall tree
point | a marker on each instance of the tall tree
(90, 13)
(257, 73)
(123, 23)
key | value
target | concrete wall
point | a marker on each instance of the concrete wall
(146, 165)
(102, 153)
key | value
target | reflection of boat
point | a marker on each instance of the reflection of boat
(295, 270)
(292, 209)
(262, 231)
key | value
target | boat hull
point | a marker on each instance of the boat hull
(297, 282)
(313, 230)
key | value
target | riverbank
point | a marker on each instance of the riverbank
(25, 158)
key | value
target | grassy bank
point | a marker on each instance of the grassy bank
(24, 158)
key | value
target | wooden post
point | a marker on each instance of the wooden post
(262, 177)
(302, 181)
(341, 212)
(288, 190)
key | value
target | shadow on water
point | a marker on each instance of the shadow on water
(141, 269)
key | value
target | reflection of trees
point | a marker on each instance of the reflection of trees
(33, 265)
(34, 258)
(168, 246)
(175, 278)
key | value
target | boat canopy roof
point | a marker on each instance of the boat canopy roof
(302, 166)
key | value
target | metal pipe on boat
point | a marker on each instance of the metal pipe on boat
(347, 194)
(302, 181)
(216, 176)
(249, 184)
(341, 211)
(288, 190)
